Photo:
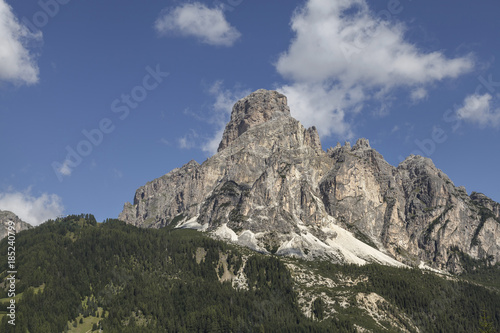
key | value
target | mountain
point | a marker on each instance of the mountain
(6, 217)
(77, 275)
(272, 188)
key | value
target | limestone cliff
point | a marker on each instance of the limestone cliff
(5, 217)
(273, 188)
(413, 211)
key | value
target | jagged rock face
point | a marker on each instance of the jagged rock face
(253, 110)
(413, 211)
(260, 181)
(354, 192)
(5, 217)
(272, 188)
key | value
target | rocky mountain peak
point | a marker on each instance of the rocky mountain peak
(257, 108)
(5, 217)
(275, 190)
(362, 144)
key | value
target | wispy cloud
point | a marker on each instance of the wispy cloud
(418, 94)
(117, 173)
(481, 110)
(347, 55)
(188, 141)
(209, 25)
(221, 111)
(30, 208)
(165, 142)
(65, 168)
(17, 64)
(216, 114)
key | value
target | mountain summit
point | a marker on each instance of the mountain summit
(253, 110)
(271, 187)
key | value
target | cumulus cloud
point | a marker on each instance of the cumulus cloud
(343, 48)
(17, 64)
(322, 106)
(32, 209)
(209, 25)
(480, 109)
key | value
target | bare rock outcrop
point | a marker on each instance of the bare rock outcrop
(7, 216)
(255, 109)
(272, 187)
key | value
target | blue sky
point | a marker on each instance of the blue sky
(99, 97)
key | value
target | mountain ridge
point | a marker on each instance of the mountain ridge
(272, 187)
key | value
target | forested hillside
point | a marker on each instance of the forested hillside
(126, 279)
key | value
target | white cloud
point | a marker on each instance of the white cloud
(342, 47)
(209, 25)
(322, 106)
(418, 94)
(479, 109)
(165, 142)
(217, 114)
(17, 65)
(65, 169)
(34, 210)
(188, 141)
(212, 144)
(221, 112)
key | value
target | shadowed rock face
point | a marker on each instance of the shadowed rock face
(5, 217)
(272, 188)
